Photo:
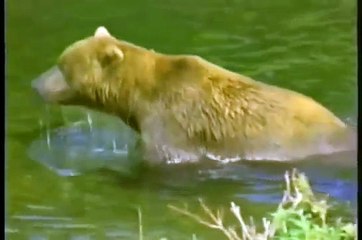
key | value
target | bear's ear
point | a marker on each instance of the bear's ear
(111, 55)
(102, 32)
(115, 52)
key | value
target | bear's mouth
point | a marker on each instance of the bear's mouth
(52, 87)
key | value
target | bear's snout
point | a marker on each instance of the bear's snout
(51, 86)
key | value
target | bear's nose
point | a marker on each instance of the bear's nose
(40, 82)
(50, 84)
(35, 85)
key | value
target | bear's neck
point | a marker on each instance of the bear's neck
(149, 77)
(136, 87)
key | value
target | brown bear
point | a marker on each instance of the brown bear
(186, 108)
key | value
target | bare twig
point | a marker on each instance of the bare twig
(216, 221)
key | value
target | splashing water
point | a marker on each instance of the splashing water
(45, 125)
(89, 120)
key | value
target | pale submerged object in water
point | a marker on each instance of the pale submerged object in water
(79, 147)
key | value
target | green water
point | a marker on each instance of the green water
(308, 46)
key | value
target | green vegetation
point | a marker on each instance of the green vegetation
(300, 215)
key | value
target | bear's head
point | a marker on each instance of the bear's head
(94, 72)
